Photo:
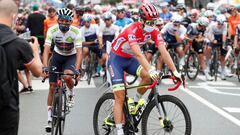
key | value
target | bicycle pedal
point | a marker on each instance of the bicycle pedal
(48, 129)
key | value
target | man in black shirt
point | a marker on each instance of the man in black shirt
(35, 23)
(15, 50)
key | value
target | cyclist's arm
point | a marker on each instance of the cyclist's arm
(224, 38)
(181, 36)
(140, 57)
(78, 46)
(99, 36)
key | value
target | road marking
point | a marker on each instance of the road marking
(232, 109)
(219, 82)
(38, 85)
(212, 106)
(225, 88)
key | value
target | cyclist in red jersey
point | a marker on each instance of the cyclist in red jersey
(126, 56)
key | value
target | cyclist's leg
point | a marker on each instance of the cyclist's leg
(98, 52)
(116, 72)
(85, 53)
(180, 51)
(135, 68)
(55, 62)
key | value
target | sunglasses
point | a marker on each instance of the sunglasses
(176, 24)
(107, 20)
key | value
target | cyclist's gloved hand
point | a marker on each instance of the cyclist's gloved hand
(153, 74)
(177, 75)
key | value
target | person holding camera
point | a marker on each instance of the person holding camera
(13, 50)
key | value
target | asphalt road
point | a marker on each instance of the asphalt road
(214, 107)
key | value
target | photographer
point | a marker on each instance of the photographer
(13, 50)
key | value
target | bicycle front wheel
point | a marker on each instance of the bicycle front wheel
(192, 66)
(176, 122)
(103, 121)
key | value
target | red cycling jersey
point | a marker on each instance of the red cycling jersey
(132, 34)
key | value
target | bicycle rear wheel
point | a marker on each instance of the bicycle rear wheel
(103, 121)
(192, 66)
(176, 122)
(215, 64)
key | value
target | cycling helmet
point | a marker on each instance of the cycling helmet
(87, 17)
(181, 7)
(177, 19)
(203, 21)
(97, 8)
(221, 19)
(65, 13)
(120, 8)
(148, 12)
(159, 21)
(79, 9)
(208, 13)
(210, 6)
(107, 16)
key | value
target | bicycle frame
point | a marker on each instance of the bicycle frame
(153, 95)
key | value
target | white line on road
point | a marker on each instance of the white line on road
(212, 106)
(232, 109)
(227, 88)
(38, 85)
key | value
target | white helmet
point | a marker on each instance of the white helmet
(203, 21)
(210, 6)
(65, 13)
(87, 17)
(159, 21)
(208, 13)
(107, 15)
(221, 19)
(177, 19)
(97, 8)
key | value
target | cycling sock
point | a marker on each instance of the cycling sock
(137, 97)
(71, 92)
(181, 61)
(119, 129)
(49, 113)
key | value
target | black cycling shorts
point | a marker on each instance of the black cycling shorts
(197, 46)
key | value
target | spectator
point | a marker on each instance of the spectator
(51, 20)
(21, 24)
(35, 23)
(121, 19)
(165, 15)
(16, 50)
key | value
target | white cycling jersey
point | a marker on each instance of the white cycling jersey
(170, 29)
(65, 43)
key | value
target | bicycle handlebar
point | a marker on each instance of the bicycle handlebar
(62, 74)
(169, 77)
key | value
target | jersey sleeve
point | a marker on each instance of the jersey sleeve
(49, 37)
(82, 34)
(78, 40)
(157, 37)
(225, 29)
(183, 32)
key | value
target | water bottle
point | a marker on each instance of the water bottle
(131, 105)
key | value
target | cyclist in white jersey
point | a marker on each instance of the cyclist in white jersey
(67, 55)
(91, 39)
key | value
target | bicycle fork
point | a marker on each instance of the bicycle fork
(161, 119)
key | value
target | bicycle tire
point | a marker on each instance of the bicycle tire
(89, 71)
(96, 119)
(215, 64)
(176, 102)
(194, 64)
